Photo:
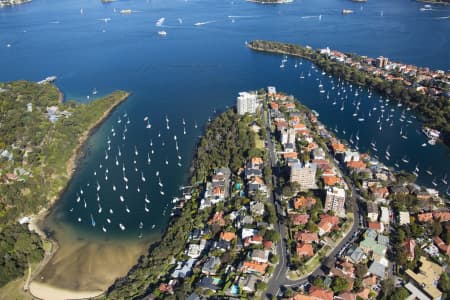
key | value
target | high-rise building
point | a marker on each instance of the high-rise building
(335, 201)
(382, 61)
(246, 103)
(305, 175)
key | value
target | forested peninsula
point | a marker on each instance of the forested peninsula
(228, 141)
(40, 140)
(424, 90)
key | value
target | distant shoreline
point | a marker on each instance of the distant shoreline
(71, 166)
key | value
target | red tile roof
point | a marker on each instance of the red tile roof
(303, 249)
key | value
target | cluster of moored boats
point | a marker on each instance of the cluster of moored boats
(134, 176)
(344, 95)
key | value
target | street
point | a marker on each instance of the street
(279, 278)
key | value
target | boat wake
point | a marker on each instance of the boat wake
(204, 23)
(237, 17)
(311, 17)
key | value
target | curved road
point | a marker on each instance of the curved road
(279, 278)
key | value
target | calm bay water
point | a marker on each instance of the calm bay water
(197, 69)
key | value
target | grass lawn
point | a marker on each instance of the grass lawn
(14, 290)
(258, 142)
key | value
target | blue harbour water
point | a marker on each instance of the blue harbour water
(195, 70)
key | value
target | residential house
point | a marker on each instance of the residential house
(210, 283)
(384, 218)
(256, 184)
(441, 216)
(379, 227)
(327, 224)
(355, 255)
(372, 211)
(307, 237)
(217, 219)
(403, 218)
(254, 267)
(378, 270)
(261, 256)
(304, 202)
(211, 265)
(299, 219)
(248, 283)
(370, 246)
(425, 217)
(427, 278)
(321, 293)
(227, 236)
(304, 249)
(441, 245)
(257, 208)
(183, 269)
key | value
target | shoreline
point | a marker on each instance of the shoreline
(306, 52)
(35, 220)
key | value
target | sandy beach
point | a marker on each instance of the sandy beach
(45, 289)
(48, 292)
(82, 269)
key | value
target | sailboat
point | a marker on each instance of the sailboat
(433, 182)
(444, 179)
(92, 221)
